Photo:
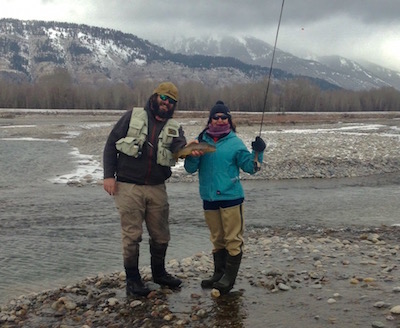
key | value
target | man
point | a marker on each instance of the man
(137, 161)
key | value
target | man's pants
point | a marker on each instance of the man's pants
(138, 203)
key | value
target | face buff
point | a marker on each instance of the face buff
(217, 131)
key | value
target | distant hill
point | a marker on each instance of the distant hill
(339, 71)
(98, 56)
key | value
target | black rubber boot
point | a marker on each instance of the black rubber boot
(219, 268)
(160, 275)
(134, 283)
(225, 284)
(136, 288)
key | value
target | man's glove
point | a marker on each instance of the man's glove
(258, 145)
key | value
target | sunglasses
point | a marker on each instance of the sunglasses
(222, 117)
(170, 100)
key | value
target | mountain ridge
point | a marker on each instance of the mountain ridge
(340, 71)
(98, 56)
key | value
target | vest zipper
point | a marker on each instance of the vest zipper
(151, 152)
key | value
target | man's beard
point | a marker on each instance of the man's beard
(160, 113)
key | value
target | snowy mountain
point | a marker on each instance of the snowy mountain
(337, 70)
(98, 56)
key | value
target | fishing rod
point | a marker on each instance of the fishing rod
(270, 69)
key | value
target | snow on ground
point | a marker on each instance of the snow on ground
(89, 170)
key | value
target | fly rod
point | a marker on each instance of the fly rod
(270, 69)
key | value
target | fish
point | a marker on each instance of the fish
(187, 150)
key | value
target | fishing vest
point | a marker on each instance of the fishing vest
(135, 138)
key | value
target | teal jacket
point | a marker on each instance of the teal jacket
(219, 171)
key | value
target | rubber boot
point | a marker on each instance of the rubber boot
(219, 268)
(225, 284)
(134, 283)
(160, 275)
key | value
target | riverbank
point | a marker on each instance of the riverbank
(305, 145)
(288, 277)
(321, 148)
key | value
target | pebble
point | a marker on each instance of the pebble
(380, 304)
(215, 293)
(282, 286)
(135, 303)
(102, 297)
(395, 309)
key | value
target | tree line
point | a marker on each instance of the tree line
(58, 91)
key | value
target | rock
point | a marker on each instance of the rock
(283, 287)
(215, 293)
(395, 309)
(373, 237)
(135, 303)
(381, 304)
(368, 279)
(112, 301)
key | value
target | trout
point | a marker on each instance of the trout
(201, 146)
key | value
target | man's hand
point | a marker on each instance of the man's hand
(110, 186)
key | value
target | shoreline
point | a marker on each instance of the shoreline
(305, 146)
(299, 145)
(323, 277)
(315, 277)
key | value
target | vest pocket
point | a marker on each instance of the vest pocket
(165, 157)
(128, 146)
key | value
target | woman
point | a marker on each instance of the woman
(222, 192)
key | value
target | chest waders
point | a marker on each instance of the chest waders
(132, 145)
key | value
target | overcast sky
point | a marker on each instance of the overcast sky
(366, 29)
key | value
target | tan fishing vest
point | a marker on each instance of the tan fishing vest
(136, 136)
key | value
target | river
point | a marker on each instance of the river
(52, 233)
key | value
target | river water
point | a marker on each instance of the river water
(52, 234)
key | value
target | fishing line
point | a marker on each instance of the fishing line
(270, 69)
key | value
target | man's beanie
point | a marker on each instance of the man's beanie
(219, 107)
(167, 88)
